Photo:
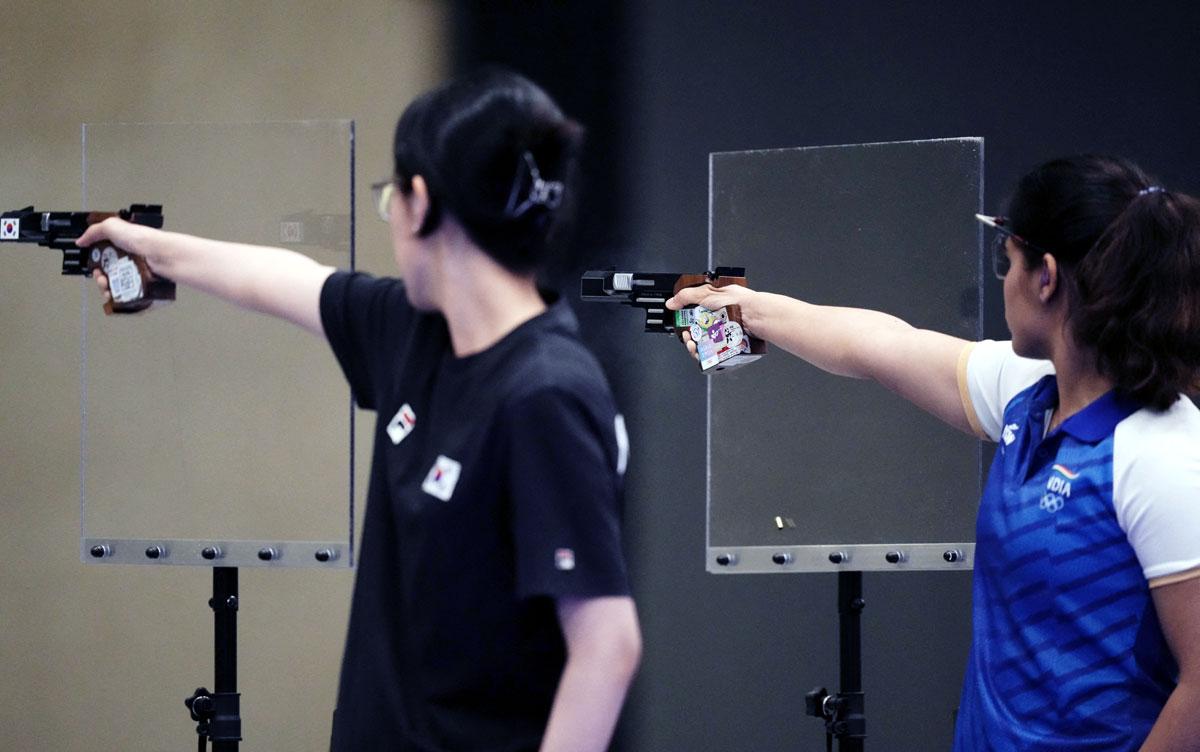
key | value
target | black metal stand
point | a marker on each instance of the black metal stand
(844, 712)
(218, 713)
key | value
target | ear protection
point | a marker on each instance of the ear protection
(1045, 276)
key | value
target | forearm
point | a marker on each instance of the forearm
(604, 646)
(274, 281)
(1178, 726)
(919, 365)
(587, 705)
(842, 341)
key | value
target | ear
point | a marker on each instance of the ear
(1048, 284)
(417, 203)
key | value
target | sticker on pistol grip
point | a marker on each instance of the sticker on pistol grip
(684, 318)
(717, 338)
(124, 279)
(735, 337)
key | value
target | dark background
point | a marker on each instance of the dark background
(662, 84)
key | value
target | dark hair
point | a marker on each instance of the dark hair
(1130, 258)
(468, 139)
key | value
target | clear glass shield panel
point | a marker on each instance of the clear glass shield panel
(801, 458)
(205, 425)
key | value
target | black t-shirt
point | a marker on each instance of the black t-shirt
(496, 487)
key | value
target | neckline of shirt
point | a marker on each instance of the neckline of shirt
(557, 314)
(1094, 422)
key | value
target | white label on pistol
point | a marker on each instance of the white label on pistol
(124, 279)
(10, 229)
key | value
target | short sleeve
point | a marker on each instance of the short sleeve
(990, 374)
(564, 450)
(1156, 490)
(363, 317)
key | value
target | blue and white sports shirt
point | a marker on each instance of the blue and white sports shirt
(1075, 527)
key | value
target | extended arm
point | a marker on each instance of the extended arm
(917, 364)
(604, 647)
(274, 281)
(1178, 726)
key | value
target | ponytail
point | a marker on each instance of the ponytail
(1130, 255)
(1137, 298)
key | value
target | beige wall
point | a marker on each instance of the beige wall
(102, 657)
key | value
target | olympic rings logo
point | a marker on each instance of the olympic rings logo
(1052, 502)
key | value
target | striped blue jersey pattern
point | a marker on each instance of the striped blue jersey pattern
(1067, 653)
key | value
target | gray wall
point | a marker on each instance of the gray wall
(102, 657)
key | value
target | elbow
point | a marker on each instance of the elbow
(629, 652)
(618, 653)
(603, 637)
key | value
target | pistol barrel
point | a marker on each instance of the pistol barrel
(60, 229)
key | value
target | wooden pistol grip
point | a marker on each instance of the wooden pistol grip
(695, 280)
(153, 287)
(689, 280)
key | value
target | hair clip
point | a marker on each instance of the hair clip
(547, 193)
(1151, 189)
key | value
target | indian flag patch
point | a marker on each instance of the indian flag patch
(1066, 472)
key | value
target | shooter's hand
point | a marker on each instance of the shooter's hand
(138, 285)
(713, 298)
(102, 283)
(127, 236)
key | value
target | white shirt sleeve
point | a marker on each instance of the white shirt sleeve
(1156, 489)
(990, 375)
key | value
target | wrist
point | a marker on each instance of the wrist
(141, 241)
(751, 305)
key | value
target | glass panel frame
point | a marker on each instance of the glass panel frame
(213, 436)
(808, 472)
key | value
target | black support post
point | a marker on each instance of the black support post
(850, 726)
(218, 713)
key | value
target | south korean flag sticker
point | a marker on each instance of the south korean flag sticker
(10, 229)
(402, 423)
(442, 478)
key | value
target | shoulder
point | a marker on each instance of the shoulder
(1156, 486)
(344, 284)
(997, 363)
(990, 375)
(1153, 446)
(356, 301)
(557, 399)
(557, 363)
(551, 359)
